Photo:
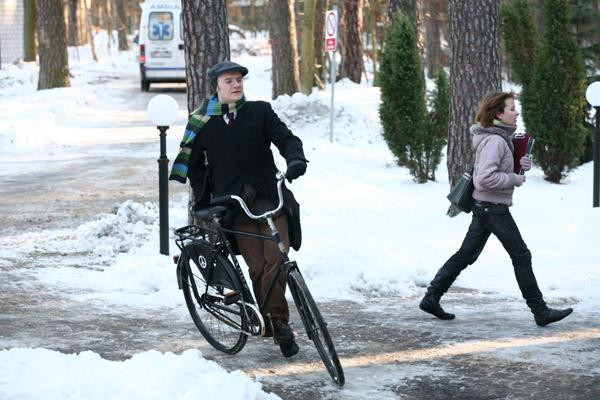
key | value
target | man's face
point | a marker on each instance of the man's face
(230, 87)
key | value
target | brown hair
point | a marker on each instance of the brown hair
(490, 106)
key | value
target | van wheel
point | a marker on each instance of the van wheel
(145, 85)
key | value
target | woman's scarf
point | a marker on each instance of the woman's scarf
(196, 122)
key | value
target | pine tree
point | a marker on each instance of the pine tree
(402, 110)
(437, 125)
(520, 38)
(586, 27)
(553, 100)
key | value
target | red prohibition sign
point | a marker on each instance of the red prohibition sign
(331, 22)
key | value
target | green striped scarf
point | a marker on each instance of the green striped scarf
(196, 122)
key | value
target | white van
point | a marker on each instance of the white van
(160, 42)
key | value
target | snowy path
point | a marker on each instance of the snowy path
(79, 269)
(389, 348)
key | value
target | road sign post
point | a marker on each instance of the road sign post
(331, 28)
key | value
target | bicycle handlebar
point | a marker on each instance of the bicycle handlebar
(222, 200)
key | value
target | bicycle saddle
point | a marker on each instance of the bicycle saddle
(208, 212)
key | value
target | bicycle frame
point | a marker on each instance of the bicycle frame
(217, 249)
(221, 232)
(285, 264)
(220, 246)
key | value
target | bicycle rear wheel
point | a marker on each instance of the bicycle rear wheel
(316, 328)
(219, 317)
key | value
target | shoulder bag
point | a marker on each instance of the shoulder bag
(461, 195)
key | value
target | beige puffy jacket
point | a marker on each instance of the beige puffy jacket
(493, 175)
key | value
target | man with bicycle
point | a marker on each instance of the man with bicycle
(226, 151)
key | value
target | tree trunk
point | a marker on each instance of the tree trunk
(52, 42)
(350, 43)
(88, 20)
(121, 28)
(284, 50)
(206, 42)
(307, 69)
(321, 7)
(253, 18)
(433, 47)
(474, 72)
(73, 26)
(108, 20)
(29, 31)
(374, 14)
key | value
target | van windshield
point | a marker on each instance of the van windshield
(160, 26)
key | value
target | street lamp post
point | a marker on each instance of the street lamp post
(162, 112)
(592, 94)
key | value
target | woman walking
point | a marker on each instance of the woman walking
(494, 181)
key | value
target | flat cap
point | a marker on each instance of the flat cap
(225, 66)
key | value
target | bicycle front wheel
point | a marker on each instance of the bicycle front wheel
(316, 328)
(220, 321)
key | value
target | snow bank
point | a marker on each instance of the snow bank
(40, 373)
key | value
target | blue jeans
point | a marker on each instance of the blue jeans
(489, 218)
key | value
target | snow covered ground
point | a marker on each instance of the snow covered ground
(41, 373)
(369, 229)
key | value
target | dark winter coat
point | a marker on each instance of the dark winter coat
(241, 155)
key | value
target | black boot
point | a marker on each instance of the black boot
(431, 305)
(542, 314)
(551, 315)
(545, 315)
(285, 337)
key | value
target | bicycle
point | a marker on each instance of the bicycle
(217, 295)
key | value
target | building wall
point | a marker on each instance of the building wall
(11, 30)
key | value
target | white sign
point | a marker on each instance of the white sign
(331, 28)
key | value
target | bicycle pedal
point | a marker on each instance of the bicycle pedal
(231, 297)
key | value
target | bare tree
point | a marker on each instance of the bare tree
(320, 42)
(284, 49)
(29, 30)
(474, 72)
(52, 45)
(108, 21)
(121, 28)
(374, 16)
(206, 42)
(433, 46)
(307, 67)
(351, 49)
(73, 26)
(88, 23)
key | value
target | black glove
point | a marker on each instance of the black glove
(295, 169)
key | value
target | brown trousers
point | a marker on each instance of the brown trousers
(263, 259)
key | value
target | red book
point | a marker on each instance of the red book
(523, 144)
